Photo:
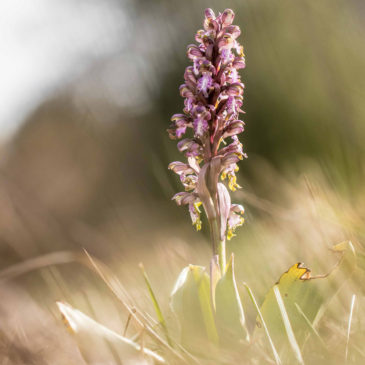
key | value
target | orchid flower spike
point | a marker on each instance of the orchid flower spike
(213, 94)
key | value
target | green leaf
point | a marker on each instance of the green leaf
(99, 344)
(230, 316)
(190, 301)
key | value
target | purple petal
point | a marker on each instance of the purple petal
(199, 36)
(209, 13)
(231, 105)
(189, 76)
(232, 75)
(204, 84)
(206, 66)
(184, 198)
(189, 181)
(209, 51)
(179, 125)
(192, 148)
(235, 127)
(200, 126)
(189, 103)
(185, 92)
(238, 63)
(193, 52)
(235, 89)
(234, 30)
(226, 42)
(180, 168)
(226, 55)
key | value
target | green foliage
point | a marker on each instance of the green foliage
(212, 319)
(295, 304)
(229, 314)
(263, 323)
(294, 287)
(191, 302)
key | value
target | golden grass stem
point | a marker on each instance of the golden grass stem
(349, 326)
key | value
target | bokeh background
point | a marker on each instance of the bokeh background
(88, 88)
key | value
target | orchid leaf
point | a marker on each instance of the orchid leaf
(97, 343)
(229, 310)
(191, 302)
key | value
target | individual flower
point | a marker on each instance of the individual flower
(235, 219)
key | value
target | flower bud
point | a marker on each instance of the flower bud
(239, 63)
(180, 168)
(185, 92)
(235, 127)
(227, 17)
(234, 30)
(235, 89)
(193, 52)
(209, 14)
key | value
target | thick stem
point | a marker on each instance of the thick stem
(214, 234)
(219, 247)
(222, 256)
(208, 189)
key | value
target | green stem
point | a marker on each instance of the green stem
(222, 256)
(219, 247)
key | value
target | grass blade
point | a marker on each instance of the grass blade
(117, 289)
(275, 353)
(310, 326)
(156, 305)
(288, 328)
(39, 262)
(349, 325)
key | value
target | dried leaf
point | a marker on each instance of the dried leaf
(92, 338)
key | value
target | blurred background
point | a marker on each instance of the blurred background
(88, 88)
